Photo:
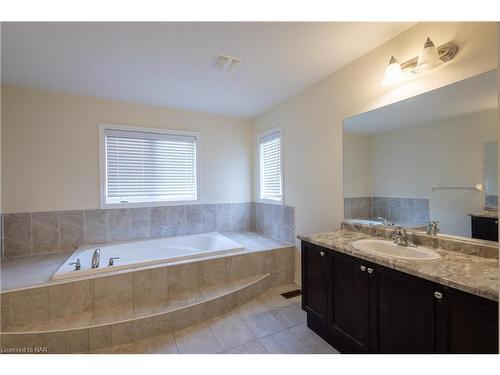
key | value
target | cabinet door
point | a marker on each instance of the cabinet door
(349, 314)
(315, 280)
(485, 228)
(405, 320)
(466, 323)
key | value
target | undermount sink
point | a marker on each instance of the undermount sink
(389, 249)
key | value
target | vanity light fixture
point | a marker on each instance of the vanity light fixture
(429, 58)
(393, 74)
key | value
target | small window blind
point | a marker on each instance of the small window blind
(270, 166)
(149, 167)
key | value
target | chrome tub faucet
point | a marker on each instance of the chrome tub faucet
(96, 257)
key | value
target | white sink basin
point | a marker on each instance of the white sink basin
(389, 249)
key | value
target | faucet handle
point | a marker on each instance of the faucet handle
(77, 264)
(111, 260)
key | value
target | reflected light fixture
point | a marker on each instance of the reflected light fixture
(429, 58)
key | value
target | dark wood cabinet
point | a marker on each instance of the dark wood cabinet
(468, 323)
(361, 307)
(405, 318)
(315, 293)
(349, 301)
(484, 228)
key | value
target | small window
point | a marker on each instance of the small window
(141, 168)
(271, 166)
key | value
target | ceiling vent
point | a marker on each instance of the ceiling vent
(226, 62)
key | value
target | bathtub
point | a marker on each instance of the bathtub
(148, 252)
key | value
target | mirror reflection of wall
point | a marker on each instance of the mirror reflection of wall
(394, 155)
(491, 173)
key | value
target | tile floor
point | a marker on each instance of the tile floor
(267, 324)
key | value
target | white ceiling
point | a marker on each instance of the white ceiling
(474, 94)
(169, 64)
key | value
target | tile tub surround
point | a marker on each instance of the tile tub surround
(31, 233)
(145, 302)
(274, 220)
(457, 269)
(37, 270)
(402, 210)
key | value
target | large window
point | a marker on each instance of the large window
(271, 166)
(147, 167)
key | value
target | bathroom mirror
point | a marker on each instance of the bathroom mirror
(432, 157)
(491, 175)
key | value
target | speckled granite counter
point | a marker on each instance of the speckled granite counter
(489, 214)
(469, 273)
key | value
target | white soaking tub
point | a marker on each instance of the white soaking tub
(147, 252)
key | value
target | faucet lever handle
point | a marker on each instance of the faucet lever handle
(77, 264)
(111, 260)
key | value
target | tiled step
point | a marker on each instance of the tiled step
(122, 325)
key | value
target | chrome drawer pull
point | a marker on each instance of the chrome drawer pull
(370, 270)
(362, 268)
(322, 253)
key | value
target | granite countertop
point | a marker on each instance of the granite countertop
(492, 214)
(469, 273)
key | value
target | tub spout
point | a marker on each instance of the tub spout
(95, 258)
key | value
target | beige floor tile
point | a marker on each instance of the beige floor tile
(197, 339)
(116, 349)
(258, 319)
(290, 315)
(282, 342)
(311, 341)
(252, 347)
(230, 331)
(164, 344)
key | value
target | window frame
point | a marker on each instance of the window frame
(103, 204)
(278, 129)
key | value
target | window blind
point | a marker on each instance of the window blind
(149, 167)
(270, 166)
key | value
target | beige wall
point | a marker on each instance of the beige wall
(50, 148)
(312, 120)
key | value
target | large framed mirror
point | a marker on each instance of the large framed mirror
(432, 157)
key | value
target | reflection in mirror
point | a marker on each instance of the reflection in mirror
(432, 157)
(491, 173)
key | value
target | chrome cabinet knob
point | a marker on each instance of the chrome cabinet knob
(362, 268)
(438, 295)
(370, 270)
(322, 253)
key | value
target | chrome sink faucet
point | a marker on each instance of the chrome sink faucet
(385, 221)
(96, 258)
(400, 237)
(433, 228)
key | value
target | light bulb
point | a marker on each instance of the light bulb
(393, 74)
(429, 57)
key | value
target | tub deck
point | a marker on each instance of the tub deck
(30, 271)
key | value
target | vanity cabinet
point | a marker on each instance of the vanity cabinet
(315, 291)
(484, 228)
(361, 307)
